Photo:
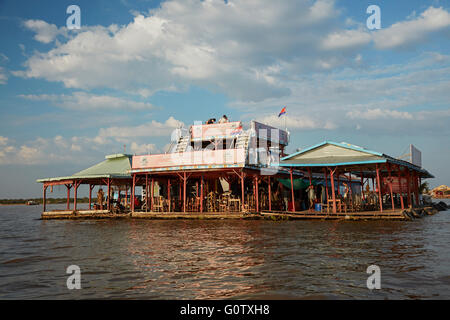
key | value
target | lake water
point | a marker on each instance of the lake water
(221, 259)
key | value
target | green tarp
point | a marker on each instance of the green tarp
(298, 183)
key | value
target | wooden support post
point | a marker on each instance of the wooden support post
(146, 192)
(333, 193)
(168, 194)
(68, 186)
(292, 191)
(90, 195)
(201, 194)
(151, 194)
(310, 176)
(362, 185)
(180, 192)
(379, 187)
(270, 194)
(197, 198)
(400, 187)
(75, 189)
(108, 204)
(184, 191)
(44, 199)
(390, 185)
(133, 192)
(257, 193)
(326, 182)
(242, 190)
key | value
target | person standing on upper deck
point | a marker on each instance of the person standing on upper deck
(224, 119)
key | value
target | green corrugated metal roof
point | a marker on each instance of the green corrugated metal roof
(342, 154)
(114, 166)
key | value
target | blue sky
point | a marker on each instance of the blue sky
(138, 69)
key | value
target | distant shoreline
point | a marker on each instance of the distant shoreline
(10, 202)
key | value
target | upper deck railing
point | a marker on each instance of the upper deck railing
(203, 158)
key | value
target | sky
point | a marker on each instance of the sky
(136, 70)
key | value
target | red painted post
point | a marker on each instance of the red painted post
(151, 194)
(168, 194)
(242, 190)
(201, 194)
(146, 192)
(310, 176)
(333, 193)
(68, 197)
(44, 200)
(196, 194)
(184, 191)
(109, 194)
(362, 185)
(270, 195)
(90, 195)
(390, 185)
(326, 181)
(379, 187)
(292, 190)
(257, 194)
(408, 188)
(132, 192)
(400, 187)
(75, 196)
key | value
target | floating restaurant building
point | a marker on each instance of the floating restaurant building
(230, 170)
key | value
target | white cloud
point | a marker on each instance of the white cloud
(346, 39)
(143, 148)
(87, 101)
(233, 47)
(408, 32)
(295, 122)
(375, 114)
(247, 49)
(45, 32)
(151, 129)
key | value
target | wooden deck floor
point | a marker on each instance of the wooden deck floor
(363, 215)
(274, 215)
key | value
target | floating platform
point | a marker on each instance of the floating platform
(363, 215)
(82, 214)
(268, 215)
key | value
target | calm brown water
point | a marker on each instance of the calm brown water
(222, 259)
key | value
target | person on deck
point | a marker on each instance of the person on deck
(224, 119)
(100, 198)
(211, 121)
